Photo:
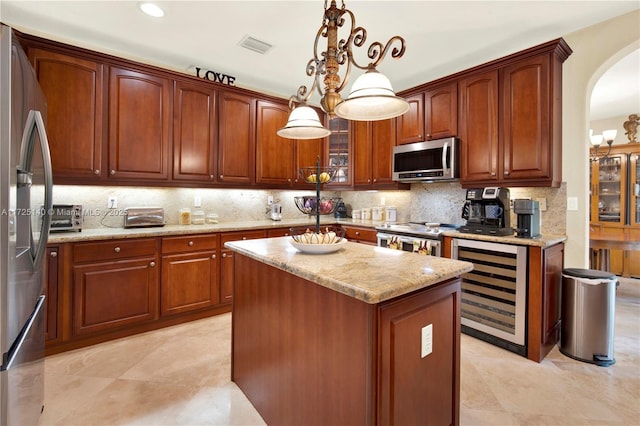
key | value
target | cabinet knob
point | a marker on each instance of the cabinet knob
(113, 172)
(224, 254)
(357, 233)
(244, 238)
(289, 180)
(117, 249)
(493, 173)
(211, 177)
(428, 136)
(368, 180)
(296, 180)
(221, 176)
(375, 180)
(506, 172)
(152, 264)
(96, 172)
(213, 256)
(54, 254)
(190, 243)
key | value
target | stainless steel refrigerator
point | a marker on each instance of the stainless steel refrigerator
(25, 204)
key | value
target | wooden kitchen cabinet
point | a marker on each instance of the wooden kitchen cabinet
(74, 90)
(51, 277)
(236, 138)
(195, 133)
(140, 111)
(339, 152)
(280, 232)
(433, 114)
(227, 260)
(189, 273)
(510, 119)
(114, 284)
(360, 234)
(278, 160)
(373, 143)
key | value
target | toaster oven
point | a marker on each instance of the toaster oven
(66, 217)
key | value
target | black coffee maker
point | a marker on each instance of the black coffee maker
(487, 211)
(529, 220)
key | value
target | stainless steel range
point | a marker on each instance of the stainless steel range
(421, 238)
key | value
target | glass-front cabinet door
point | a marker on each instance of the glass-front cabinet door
(634, 190)
(610, 189)
(338, 150)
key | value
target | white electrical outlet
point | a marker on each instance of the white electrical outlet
(572, 204)
(270, 199)
(543, 204)
(197, 202)
(426, 342)
(112, 202)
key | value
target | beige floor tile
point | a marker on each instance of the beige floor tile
(181, 376)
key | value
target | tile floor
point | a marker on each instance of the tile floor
(180, 376)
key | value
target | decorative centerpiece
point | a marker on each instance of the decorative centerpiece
(327, 239)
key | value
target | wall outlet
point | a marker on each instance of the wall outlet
(197, 202)
(426, 341)
(543, 204)
(112, 202)
(270, 199)
(572, 204)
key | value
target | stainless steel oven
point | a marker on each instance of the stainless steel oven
(411, 237)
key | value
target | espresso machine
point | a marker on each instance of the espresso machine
(487, 211)
(529, 219)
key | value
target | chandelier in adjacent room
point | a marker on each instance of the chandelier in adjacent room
(372, 97)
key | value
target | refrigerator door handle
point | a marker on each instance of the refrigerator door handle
(34, 124)
(9, 357)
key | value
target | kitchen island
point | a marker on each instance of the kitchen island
(365, 335)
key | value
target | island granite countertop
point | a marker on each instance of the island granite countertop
(367, 273)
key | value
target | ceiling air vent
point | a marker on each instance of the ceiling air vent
(252, 43)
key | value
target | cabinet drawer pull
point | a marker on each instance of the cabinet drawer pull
(190, 243)
(152, 264)
(213, 256)
(54, 254)
(96, 172)
(117, 249)
(113, 172)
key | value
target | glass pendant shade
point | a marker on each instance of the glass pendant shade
(596, 140)
(371, 98)
(609, 135)
(303, 123)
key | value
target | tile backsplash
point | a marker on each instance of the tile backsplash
(433, 202)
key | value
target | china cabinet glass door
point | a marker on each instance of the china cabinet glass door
(338, 152)
(634, 190)
(610, 190)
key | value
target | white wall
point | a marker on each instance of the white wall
(595, 49)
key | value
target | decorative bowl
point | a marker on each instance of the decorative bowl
(328, 235)
(317, 174)
(319, 248)
(310, 205)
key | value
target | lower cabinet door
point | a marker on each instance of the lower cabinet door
(189, 282)
(109, 295)
(226, 276)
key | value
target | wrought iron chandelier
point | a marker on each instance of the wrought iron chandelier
(372, 97)
(596, 140)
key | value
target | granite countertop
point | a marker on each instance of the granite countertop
(368, 273)
(545, 240)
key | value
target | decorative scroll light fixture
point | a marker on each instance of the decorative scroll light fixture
(371, 98)
(596, 140)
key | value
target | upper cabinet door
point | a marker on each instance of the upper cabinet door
(139, 125)
(479, 127)
(526, 115)
(411, 124)
(236, 138)
(274, 154)
(195, 137)
(362, 152)
(441, 112)
(74, 91)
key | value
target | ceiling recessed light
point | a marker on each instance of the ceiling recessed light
(151, 9)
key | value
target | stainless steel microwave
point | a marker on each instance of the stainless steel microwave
(427, 161)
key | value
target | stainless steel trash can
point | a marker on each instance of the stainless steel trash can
(588, 311)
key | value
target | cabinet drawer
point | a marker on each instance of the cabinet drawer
(357, 234)
(242, 235)
(189, 243)
(116, 249)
